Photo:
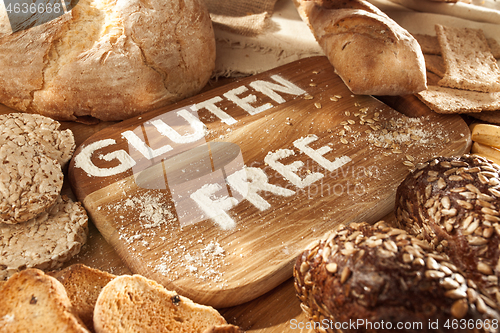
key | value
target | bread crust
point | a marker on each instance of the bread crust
(370, 52)
(134, 56)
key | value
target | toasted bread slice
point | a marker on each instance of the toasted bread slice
(83, 285)
(137, 304)
(35, 302)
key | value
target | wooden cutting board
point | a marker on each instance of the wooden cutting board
(216, 196)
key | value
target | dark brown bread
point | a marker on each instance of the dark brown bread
(377, 274)
(454, 203)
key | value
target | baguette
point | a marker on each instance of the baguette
(486, 134)
(370, 52)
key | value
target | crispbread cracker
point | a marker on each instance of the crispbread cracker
(468, 60)
(38, 131)
(46, 241)
(142, 305)
(83, 285)
(429, 44)
(29, 182)
(35, 302)
(449, 100)
(494, 47)
(434, 64)
(492, 117)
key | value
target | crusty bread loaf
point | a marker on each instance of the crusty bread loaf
(83, 285)
(370, 52)
(136, 304)
(35, 302)
(108, 59)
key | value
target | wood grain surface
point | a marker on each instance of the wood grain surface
(177, 209)
(277, 310)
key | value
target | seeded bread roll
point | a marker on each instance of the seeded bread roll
(370, 52)
(454, 203)
(379, 275)
(108, 59)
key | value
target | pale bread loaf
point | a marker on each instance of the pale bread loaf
(40, 132)
(44, 242)
(35, 302)
(136, 304)
(83, 285)
(370, 52)
(109, 59)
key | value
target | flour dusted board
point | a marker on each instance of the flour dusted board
(215, 196)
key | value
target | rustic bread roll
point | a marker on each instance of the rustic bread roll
(109, 59)
(370, 52)
(454, 203)
(83, 285)
(379, 277)
(136, 304)
(35, 302)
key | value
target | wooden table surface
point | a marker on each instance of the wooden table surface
(276, 311)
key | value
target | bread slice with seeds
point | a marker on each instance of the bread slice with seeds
(35, 302)
(137, 304)
(83, 285)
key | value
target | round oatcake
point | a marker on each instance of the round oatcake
(29, 182)
(41, 132)
(45, 242)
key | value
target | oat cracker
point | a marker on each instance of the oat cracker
(40, 132)
(29, 182)
(45, 242)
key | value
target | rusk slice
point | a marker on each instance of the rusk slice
(38, 131)
(35, 302)
(468, 59)
(29, 182)
(136, 304)
(83, 285)
(44, 242)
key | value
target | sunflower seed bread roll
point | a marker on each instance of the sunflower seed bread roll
(373, 275)
(454, 204)
(108, 59)
(370, 52)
